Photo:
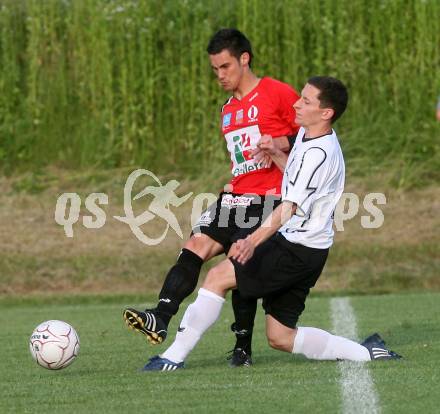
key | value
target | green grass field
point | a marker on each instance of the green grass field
(105, 377)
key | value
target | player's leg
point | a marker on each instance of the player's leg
(270, 273)
(314, 343)
(318, 344)
(303, 266)
(244, 314)
(182, 278)
(300, 267)
(198, 318)
(282, 313)
(179, 283)
(245, 308)
(207, 241)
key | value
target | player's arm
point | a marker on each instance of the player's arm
(272, 150)
(269, 146)
(244, 249)
(283, 143)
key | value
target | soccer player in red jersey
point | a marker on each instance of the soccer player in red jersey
(258, 110)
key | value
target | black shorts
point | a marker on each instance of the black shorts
(234, 216)
(282, 273)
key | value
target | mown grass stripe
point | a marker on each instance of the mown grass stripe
(358, 391)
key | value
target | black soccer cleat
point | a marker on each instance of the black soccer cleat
(376, 347)
(239, 358)
(147, 323)
(375, 338)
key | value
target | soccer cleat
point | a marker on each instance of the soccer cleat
(375, 338)
(157, 363)
(147, 323)
(376, 347)
(239, 358)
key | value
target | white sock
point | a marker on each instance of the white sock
(318, 344)
(198, 318)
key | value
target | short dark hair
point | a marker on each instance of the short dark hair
(232, 40)
(333, 94)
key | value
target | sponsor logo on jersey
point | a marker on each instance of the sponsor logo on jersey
(247, 168)
(242, 148)
(240, 144)
(226, 120)
(252, 113)
(230, 201)
(239, 116)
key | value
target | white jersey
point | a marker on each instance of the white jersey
(313, 180)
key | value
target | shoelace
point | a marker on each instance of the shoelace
(241, 352)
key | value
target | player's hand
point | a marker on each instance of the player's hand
(267, 144)
(242, 250)
(232, 250)
(261, 157)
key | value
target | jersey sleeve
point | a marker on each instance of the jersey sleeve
(288, 97)
(303, 182)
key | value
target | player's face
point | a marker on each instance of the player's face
(308, 110)
(228, 69)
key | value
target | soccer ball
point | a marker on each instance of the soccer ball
(54, 344)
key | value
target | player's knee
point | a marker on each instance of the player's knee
(203, 246)
(194, 244)
(279, 342)
(213, 279)
(274, 342)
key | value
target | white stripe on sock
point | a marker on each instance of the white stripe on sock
(358, 391)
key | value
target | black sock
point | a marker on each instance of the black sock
(244, 312)
(180, 282)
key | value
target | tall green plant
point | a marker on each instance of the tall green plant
(128, 82)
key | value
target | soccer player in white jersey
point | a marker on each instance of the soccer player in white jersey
(282, 260)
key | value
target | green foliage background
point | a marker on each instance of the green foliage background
(109, 83)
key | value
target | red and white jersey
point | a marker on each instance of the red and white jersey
(267, 109)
